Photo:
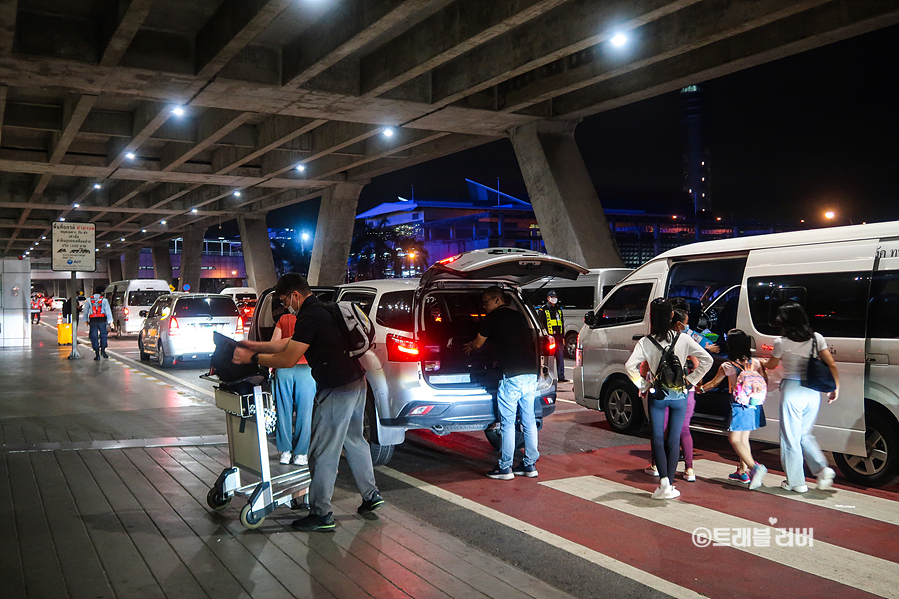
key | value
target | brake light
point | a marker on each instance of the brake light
(448, 260)
(126, 313)
(173, 327)
(239, 330)
(549, 345)
(401, 349)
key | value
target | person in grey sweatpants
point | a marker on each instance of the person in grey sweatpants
(337, 424)
(339, 402)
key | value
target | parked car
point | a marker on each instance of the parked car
(246, 308)
(418, 375)
(847, 278)
(57, 303)
(239, 293)
(128, 299)
(179, 327)
(576, 298)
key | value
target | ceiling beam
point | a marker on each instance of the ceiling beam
(570, 28)
(234, 25)
(434, 42)
(214, 125)
(120, 28)
(674, 34)
(343, 30)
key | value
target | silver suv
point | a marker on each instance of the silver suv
(417, 373)
(179, 327)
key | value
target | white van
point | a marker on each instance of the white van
(128, 298)
(847, 278)
(576, 298)
(239, 293)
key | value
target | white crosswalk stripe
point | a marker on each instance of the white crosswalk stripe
(848, 502)
(852, 568)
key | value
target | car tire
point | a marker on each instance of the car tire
(495, 438)
(144, 356)
(163, 360)
(622, 407)
(880, 466)
(571, 345)
(380, 454)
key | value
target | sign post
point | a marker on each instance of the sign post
(74, 249)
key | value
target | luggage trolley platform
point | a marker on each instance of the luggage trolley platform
(245, 416)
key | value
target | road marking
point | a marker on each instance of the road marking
(847, 502)
(845, 566)
(609, 563)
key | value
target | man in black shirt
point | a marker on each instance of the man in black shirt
(339, 402)
(513, 343)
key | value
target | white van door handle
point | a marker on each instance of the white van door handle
(637, 337)
(879, 359)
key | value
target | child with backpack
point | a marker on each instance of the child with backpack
(665, 352)
(748, 384)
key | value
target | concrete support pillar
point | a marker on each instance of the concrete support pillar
(568, 210)
(333, 234)
(162, 261)
(257, 252)
(191, 259)
(114, 268)
(131, 269)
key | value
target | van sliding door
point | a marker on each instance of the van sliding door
(832, 282)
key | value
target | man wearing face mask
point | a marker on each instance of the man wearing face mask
(552, 316)
(339, 404)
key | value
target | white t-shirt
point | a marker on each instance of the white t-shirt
(794, 356)
(646, 351)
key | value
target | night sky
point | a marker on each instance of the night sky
(788, 139)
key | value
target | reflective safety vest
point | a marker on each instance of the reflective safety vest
(553, 324)
(97, 307)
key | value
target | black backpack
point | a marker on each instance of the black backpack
(670, 374)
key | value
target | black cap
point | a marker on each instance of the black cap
(551, 294)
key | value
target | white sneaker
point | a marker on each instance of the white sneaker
(285, 457)
(690, 475)
(664, 488)
(672, 493)
(797, 489)
(300, 460)
(825, 478)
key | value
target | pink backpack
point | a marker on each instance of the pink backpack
(750, 388)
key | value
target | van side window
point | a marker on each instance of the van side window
(570, 298)
(836, 303)
(118, 299)
(365, 299)
(395, 310)
(883, 307)
(627, 305)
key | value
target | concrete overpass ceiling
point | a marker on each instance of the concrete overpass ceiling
(88, 90)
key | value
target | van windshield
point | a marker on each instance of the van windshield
(205, 306)
(144, 298)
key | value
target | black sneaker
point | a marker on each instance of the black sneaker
(97, 357)
(370, 505)
(522, 470)
(315, 523)
(501, 474)
(104, 354)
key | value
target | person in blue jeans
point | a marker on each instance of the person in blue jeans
(665, 451)
(294, 394)
(512, 340)
(98, 315)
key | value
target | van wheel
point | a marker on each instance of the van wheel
(880, 466)
(144, 356)
(495, 438)
(622, 407)
(571, 345)
(380, 454)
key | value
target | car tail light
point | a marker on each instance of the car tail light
(239, 330)
(126, 313)
(401, 349)
(549, 345)
(173, 327)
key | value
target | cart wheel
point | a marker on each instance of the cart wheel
(215, 500)
(248, 520)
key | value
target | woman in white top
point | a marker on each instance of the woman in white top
(665, 450)
(799, 405)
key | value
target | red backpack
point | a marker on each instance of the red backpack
(96, 307)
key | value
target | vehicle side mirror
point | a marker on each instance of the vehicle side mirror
(590, 318)
(142, 313)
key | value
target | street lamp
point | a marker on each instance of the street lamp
(830, 215)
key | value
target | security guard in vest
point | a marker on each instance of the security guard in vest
(555, 326)
(98, 315)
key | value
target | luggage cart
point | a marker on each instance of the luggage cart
(248, 449)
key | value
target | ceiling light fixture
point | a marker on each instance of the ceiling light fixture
(178, 111)
(193, 210)
(618, 40)
(236, 194)
(97, 186)
(388, 131)
(162, 222)
(130, 156)
(301, 167)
